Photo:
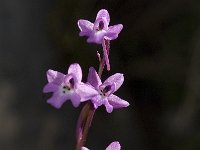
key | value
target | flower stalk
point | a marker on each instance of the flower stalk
(86, 115)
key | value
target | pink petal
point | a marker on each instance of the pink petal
(55, 76)
(117, 102)
(97, 37)
(107, 88)
(57, 100)
(109, 108)
(70, 80)
(101, 24)
(103, 13)
(75, 69)
(117, 78)
(86, 91)
(75, 99)
(113, 32)
(93, 78)
(51, 75)
(114, 146)
(97, 101)
(85, 26)
(50, 87)
(84, 148)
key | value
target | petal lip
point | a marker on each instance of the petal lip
(117, 102)
(117, 78)
(103, 13)
(76, 70)
(97, 37)
(93, 78)
(57, 100)
(75, 99)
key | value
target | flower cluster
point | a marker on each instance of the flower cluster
(71, 87)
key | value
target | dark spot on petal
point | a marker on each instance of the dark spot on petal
(66, 87)
(71, 81)
(101, 25)
(107, 89)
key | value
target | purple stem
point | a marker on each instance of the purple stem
(86, 117)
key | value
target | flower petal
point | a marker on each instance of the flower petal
(114, 146)
(97, 37)
(117, 102)
(93, 78)
(70, 81)
(100, 24)
(55, 76)
(113, 32)
(97, 101)
(51, 75)
(107, 88)
(75, 69)
(86, 91)
(109, 108)
(117, 78)
(85, 26)
(103, 13)
(75, 99)
(57, 100)
(50, 87)
(84, 148)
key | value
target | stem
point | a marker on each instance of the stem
(84, 123)
(86, 117)
(101, 67)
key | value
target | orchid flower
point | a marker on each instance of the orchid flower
(69, 86)
(105, 90)
(112, 146)
(99, 32)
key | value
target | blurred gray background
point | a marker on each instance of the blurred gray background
(158, 51)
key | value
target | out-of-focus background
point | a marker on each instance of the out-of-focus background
(158, 51)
